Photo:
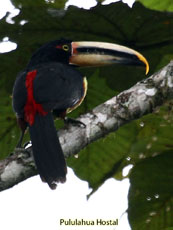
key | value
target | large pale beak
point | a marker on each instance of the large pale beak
(102, 53)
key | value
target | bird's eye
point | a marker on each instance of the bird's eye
(65, 47)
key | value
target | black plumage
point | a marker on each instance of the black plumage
(51, 83)
(56, 86)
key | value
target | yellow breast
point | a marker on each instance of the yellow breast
(85, 86)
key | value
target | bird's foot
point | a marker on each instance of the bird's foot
(23, 129)
(72, 121)
(23, 149)
(22, 152)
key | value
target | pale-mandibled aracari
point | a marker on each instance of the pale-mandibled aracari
(51, 82)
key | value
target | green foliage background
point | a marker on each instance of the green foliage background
(146, 143)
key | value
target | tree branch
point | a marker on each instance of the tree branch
(129, 105)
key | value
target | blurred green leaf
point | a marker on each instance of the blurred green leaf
(38, 3)
(7, 125)
(166, 5)
(100, 1)
(9, 132)
(151, 193)
(147, 137)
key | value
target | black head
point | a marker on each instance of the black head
(86, 54)
(54, 51)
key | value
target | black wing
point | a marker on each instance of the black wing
(19, 94)
(58, 86)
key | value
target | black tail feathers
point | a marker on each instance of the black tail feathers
(48, 155)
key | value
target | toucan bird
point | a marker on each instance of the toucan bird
(50, 82)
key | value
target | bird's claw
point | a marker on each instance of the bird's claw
(72, 121)
(22, 151)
